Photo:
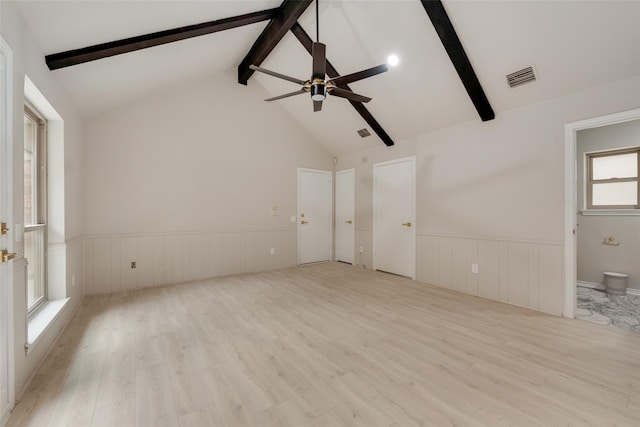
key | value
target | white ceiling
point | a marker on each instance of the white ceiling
(571, 44)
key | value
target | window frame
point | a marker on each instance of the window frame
(41, 202)
(591, 181)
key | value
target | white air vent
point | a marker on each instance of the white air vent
(521, 77)
(364, 133)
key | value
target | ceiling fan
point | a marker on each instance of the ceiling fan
(317, 86)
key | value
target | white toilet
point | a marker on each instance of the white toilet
(615, 283)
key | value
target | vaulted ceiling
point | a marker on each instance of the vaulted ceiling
(572, 45)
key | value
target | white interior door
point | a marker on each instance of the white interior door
(394, 217)
(345, 210)
(6, 275)
(315, 206)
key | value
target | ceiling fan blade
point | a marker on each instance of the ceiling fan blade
(354, 77)
(317, 106)
(278, 75)
(343, 93)
(286, 95)
(319, 61)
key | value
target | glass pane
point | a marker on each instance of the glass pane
(30, 170)
(615, 194)
(616, 166)
(34, 253)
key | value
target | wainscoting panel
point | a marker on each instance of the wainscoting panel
(129, 251)
(116, 265)
(98, 271)
(472, 279)
(164, 259)
(551, 271)
(146, 255)
(489, 269)
(504, 271)
(518, 265)
(534, 276)
(159, 271)
(527, 274)
(459, 265)
(445, 269)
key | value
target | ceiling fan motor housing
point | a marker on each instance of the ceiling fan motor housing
(318, 90)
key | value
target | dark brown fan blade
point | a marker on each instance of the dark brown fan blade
(342, 93)
(354, 77)
(278, 75)
(319, 61)
(317, 106)
(286, 95)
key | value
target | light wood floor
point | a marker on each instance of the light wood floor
(324, 345)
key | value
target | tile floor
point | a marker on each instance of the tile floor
(622, 311)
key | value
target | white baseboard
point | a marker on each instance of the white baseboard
(600, 286)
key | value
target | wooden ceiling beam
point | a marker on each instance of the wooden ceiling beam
(288, 14)
(118, 47)
(443, 26)
(307, 42)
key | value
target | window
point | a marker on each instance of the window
(35, 207)
(612, 179)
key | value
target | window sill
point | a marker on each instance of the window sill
(39, 323)
(610, 212)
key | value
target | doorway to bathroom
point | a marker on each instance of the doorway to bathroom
(603, 233)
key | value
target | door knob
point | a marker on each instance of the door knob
(6, 256)
(303, 222)
(406, 224)
(348, 222)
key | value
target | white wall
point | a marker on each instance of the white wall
(594, 257)
(29, 60)
(492, 193)
(183, 184)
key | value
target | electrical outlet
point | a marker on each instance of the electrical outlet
(474, 268)
(133, 264)
(361, 249)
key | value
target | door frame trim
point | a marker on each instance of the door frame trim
(6, 144)
(335, 226)
(412, 160)
(571, 203)
(298, 207)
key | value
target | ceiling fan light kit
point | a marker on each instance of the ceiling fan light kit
(317, 85)
(318, 90)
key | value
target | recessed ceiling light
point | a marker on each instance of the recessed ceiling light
(393, 60)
